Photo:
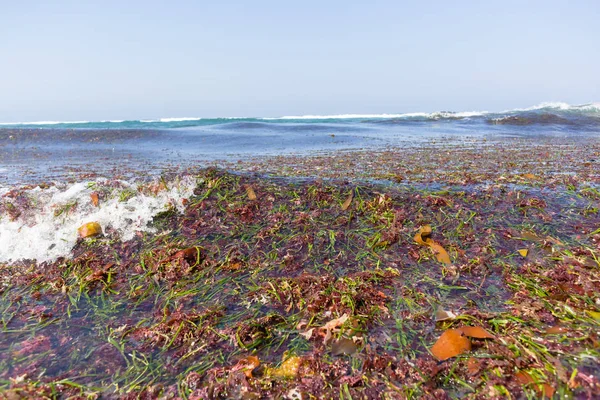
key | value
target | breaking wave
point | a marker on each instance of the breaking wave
(564, 112)
(40, 223)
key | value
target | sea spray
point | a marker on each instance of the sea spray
(41, 223)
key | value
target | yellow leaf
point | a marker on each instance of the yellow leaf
(523, 252)
(450, 344)
(594, 314)
(288, 369)
(348, 201)
(250, 193)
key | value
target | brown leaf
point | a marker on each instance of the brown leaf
(250, 193)
(331, 325)
(473, 365)
(94, 198)
(348, 201)
(450, 344)
(542, 389)
(555, 330)
(192, 255)
(89, 229)
(476, 332)
(343, 346)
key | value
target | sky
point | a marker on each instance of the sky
(96, 60)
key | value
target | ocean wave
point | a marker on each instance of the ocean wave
(560, 108)
(589, 107)
(543, 119)
(41, 223)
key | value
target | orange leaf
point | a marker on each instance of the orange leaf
(450, 344)
(476, 332)
(440, 253)
(247, 365)
(529, 176)
(94, 198)
(422, 235)
(422, 238)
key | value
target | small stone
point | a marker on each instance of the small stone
(89, 229)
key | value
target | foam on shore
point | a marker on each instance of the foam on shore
(47, 228)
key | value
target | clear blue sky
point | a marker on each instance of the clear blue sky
(85, 60)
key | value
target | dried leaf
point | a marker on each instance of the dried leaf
(542, 389)
(441, 315)
(343, 346)
(555, 330)
(523, 252)
(94, 198)
(288, 369)
(192, 255)
(473, 365)
(476, 332)
(250, 193)
(247, 365)
(331, 325)
(529, 176)
(348, 201)
(89, 229)
(450, 344)
(307, 334)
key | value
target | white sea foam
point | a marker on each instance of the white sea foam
(433, 115)
(44, 123)
(41, 234)
(177, 119)
(593, 107)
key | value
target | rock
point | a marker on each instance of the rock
(89, 229)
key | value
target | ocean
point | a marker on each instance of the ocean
(39, 151)
(57, 164)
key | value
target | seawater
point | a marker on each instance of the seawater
(131, 154)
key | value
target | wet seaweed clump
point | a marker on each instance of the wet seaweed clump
(263, 287)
